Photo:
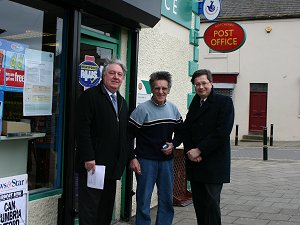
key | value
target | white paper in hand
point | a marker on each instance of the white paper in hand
(96, 180)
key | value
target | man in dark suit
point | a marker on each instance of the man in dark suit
(206, 142)
(101, 137)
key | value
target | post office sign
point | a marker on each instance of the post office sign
(224, 36)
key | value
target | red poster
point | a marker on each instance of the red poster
(14, 78)
(1, 76)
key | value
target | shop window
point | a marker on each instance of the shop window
(31, 87)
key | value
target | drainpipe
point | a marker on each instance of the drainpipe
(133, 68)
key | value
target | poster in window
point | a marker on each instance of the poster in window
(12, 65)
(38, 83)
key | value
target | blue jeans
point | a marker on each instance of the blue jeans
(161, 174)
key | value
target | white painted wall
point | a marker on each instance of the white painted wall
(272, 58)
(166, 47)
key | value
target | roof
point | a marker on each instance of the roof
(259, 9)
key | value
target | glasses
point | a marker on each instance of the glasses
(113, 73)
(164, 89)
(203, 84)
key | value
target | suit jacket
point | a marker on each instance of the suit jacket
(101, 135)
(209, 128)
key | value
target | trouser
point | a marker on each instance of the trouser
(95, 205)
(206, 199)
(161, 174)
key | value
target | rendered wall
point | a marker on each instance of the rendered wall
(271, 58)
(166, 47)
(43, 211)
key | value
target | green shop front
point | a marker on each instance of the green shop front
(42, 44)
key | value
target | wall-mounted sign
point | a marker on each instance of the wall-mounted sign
(179, 11)
(210, 9)
(143, 91)
(224, 36)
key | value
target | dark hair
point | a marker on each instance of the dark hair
(113, 61)
(201, 72)
(160, 75)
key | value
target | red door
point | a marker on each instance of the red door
(258, 111)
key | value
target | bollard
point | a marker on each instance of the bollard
(236, 134)
(271, 135)
(265, 146)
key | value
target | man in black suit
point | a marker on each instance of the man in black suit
(101, 137)
(206, 142)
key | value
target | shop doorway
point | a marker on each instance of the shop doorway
(100, 50)
(258, 107)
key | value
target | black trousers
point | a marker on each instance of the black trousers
(95, 206)
(206, 199)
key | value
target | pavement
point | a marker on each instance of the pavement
(261, 192)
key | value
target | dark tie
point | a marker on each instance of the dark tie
(201, 102)
(114, 101)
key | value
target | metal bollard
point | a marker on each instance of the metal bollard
(236, 135)
(271, 135)
(265, 146)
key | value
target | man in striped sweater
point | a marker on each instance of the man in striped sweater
(153, 124)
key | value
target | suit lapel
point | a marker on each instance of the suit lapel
(198, 111)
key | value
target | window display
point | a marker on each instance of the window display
(31, 85)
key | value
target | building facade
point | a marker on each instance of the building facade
(266, 88)
(42, 46)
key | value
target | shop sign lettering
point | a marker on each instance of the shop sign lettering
(224, 36)
(178, 11)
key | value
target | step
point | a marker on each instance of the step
(254, 137)
(250, 140)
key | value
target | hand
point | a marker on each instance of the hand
(194, 155)
(90, 165)
(169, 149)
(197, 159)
(135, 166)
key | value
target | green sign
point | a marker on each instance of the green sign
(179, 11)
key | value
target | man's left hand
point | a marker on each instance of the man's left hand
(169, 149)
(194, 155)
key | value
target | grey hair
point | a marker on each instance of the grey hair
(201, 72)
(160, 75)
(113, 61)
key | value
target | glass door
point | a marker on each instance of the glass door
(99, 49)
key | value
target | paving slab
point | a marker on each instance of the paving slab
(260, 192)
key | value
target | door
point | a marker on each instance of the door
(100, 50)
(258, 111)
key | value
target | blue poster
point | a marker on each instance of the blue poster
(89, 74)
(12, 65)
